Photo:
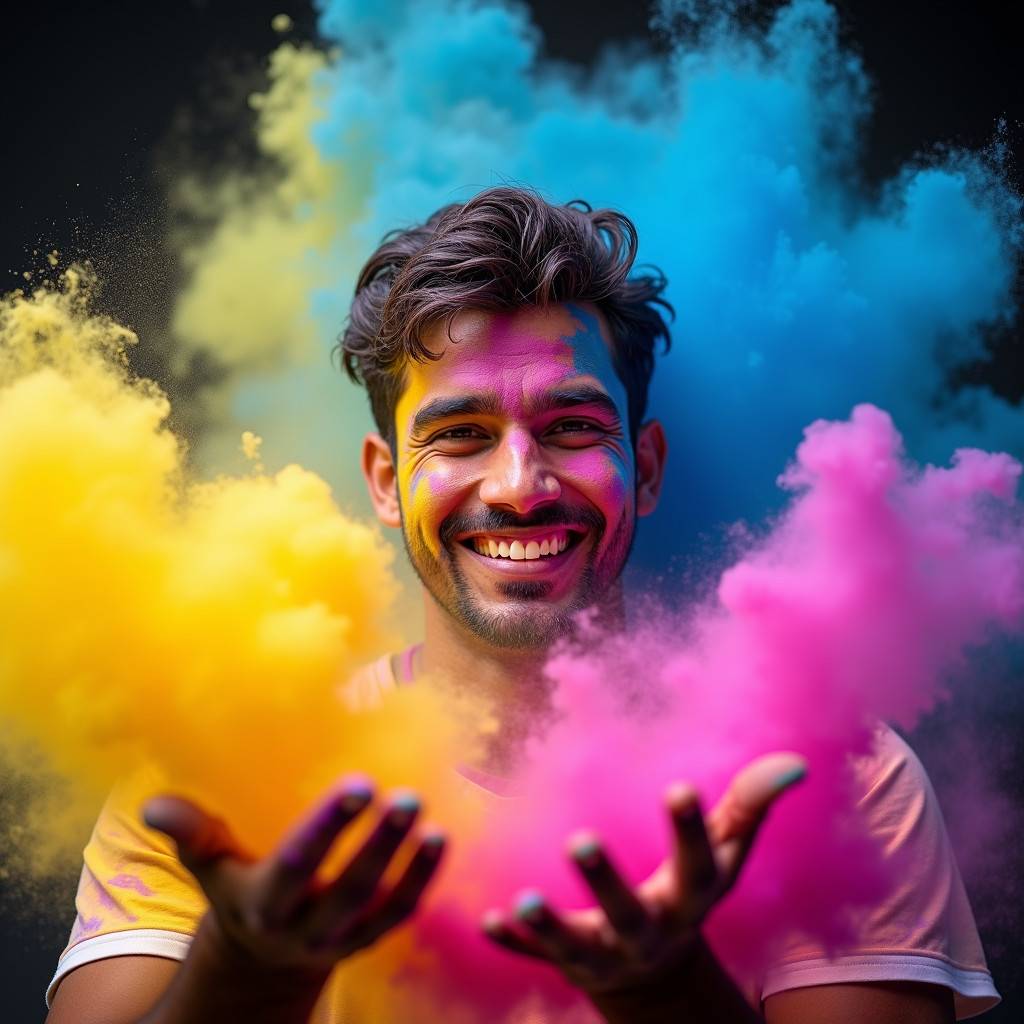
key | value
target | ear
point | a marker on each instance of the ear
(651, 452)
(381, 481)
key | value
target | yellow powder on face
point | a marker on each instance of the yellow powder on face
(206, 627)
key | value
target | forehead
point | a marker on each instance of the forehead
(515, 355)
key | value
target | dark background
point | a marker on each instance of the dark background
(101, 102)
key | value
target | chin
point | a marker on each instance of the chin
(519, 625)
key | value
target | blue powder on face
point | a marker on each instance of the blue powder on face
(799, 292)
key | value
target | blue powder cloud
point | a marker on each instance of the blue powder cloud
(799, 292)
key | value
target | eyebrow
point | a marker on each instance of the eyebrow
(487, 403)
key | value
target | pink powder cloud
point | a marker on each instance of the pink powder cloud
(866, 594)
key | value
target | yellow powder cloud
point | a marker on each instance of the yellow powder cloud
(250, 279)
(270, 242)
(205, 626)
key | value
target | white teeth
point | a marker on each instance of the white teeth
(518, 551)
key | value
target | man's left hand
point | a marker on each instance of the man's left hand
(635, 942)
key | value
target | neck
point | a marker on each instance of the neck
(511, 682)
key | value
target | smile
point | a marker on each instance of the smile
(521, 547)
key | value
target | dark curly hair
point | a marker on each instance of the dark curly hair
(505, 248)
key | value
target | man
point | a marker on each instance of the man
(507, 353)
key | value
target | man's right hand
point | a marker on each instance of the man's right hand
(279, 912)
(275, 928)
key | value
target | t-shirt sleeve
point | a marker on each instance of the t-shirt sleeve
(134, 895)
(135, 898)
(924, 931)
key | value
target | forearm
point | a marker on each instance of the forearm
(697, 992)
(217, 982)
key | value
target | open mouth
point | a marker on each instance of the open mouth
(533, 547)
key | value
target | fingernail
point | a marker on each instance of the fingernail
(433, 843)
(679, 793)
(587, 853)
(404, 807)
(493, 921)
(530, 906)
(790, 776)
(352, 794)
(355, 798)
(356, 782)
(684, 805)
(151, 813)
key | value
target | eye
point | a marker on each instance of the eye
(458, 434)
(463, 439)
(574, 427)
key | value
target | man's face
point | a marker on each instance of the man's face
(515, 472)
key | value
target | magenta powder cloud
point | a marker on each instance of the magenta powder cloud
(854, 609)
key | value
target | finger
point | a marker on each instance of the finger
(696, 870)
(560, 944)
(736, 818)
(403, 899)
(626, 914)
(294, 866)
(353, 890)
(203, 841)
(499, 930)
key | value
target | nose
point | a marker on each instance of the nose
(517, 478)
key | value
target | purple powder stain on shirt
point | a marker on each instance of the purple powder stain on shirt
(133, 882)
(85, 925)
(105, 900)
(109, 903)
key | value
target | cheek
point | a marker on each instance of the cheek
(604, 480)
(431, 493)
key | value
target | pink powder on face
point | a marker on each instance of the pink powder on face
(853, 610)
(494, 433)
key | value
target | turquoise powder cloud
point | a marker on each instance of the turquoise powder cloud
(799, 293)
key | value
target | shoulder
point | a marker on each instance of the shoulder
(134, 895)
(894, 790)
(924, 930)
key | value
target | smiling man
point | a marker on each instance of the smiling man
(507, 351)
(517, 472)
(513, 471)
